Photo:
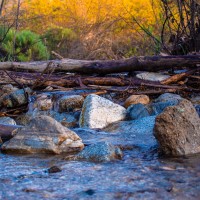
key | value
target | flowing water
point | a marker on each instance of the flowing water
(140, 175)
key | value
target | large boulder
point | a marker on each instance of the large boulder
(98, 112)
(177, 130)
(43, 135)
(100, 152)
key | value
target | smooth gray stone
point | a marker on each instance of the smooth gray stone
(100, 152)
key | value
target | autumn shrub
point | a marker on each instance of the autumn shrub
(24, 46)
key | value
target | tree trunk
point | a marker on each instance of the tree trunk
(154, 63)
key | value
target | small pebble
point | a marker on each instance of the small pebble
(54, 169)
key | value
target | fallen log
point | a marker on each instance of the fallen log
(145, 63)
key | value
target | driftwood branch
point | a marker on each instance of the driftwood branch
(29, 79)
(178, 77)
(148, 63)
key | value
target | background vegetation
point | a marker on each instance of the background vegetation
(97, 29)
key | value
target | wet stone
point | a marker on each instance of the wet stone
(138, 133)
(43, 135)
(54, 169)
(90, 192)
(100, 152)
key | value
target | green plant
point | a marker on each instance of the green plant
(59, 39)
(24, 46)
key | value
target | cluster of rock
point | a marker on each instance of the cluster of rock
(53, 126)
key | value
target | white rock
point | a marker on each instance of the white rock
(151, 76)
(98, 112)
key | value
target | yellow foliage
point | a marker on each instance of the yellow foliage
(101, 25)
(40, 14)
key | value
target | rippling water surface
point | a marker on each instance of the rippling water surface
(139, 175)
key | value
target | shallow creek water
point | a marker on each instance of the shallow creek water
(140, 175)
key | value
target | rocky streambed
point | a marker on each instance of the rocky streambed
(72, 147)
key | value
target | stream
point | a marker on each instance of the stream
(139, 175)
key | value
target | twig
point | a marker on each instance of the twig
(57, 55)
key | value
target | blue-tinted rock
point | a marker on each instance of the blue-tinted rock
(168, 97)
(100, 152)
(137, 111)
(157, 108)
